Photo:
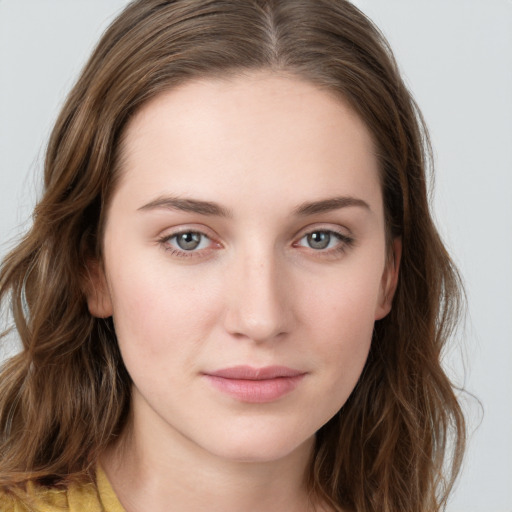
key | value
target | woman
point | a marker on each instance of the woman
(233, 296)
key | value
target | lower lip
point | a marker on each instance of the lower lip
(256, 391)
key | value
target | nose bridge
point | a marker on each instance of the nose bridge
(259, 308)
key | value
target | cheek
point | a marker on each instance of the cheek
(341, 319)
(160, 318)
(345, 302)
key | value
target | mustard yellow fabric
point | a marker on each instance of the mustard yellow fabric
(76, 498)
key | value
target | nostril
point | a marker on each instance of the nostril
(257, 319)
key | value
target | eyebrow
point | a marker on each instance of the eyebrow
(213, 209)
(328, 205)
(187, 205)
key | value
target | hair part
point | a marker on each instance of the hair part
(66, 396)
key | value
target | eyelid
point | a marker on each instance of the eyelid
(341, 231)
(171, 231)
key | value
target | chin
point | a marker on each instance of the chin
(261, 447)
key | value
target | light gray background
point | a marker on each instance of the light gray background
(457, 58)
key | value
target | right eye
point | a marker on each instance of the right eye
(186, 242)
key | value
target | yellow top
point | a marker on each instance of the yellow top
(76, 498)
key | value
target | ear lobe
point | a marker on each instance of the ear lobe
(389, 280)
(97, 292)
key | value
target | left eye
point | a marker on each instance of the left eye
(320, 240)
(189, 241)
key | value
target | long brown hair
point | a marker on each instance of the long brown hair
(66, 395)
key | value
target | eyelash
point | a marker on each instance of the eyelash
(345, 243)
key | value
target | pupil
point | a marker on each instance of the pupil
(319, 240)
(188, 241)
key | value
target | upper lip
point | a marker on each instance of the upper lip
(252, 373)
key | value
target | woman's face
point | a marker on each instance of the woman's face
(244, 263)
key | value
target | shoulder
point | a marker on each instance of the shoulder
(8, 503)
(36, 498)
(33, 499)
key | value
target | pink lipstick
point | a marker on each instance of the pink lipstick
(255, 385)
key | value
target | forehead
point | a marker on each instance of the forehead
(260, 133)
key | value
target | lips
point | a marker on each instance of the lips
(255, 385)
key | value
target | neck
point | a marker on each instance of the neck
(151, 472)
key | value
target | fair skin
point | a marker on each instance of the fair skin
(247, 230)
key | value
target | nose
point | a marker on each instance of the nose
(260, 302)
